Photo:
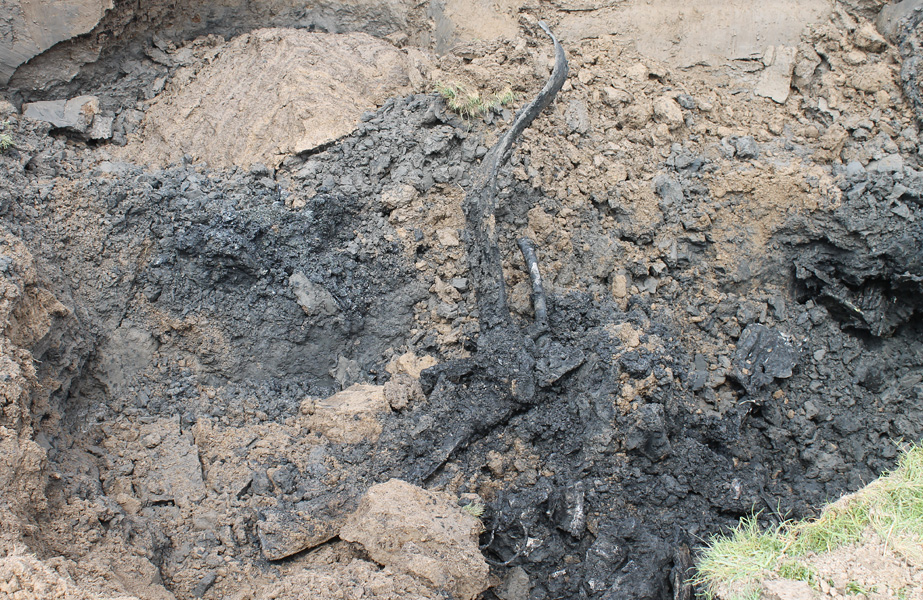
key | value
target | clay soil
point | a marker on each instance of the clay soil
(242, 353)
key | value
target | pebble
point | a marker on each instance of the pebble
(667, 110)
(746, 147)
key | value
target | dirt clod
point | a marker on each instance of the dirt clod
(422, 533)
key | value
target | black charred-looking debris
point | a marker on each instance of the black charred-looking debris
(469, 398)
(763, 355)
(862, 261)
(481, 202)
(539, 304)
(910, 39)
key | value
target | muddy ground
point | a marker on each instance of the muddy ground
(734, 277)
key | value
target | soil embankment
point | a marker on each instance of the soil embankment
(242, 353)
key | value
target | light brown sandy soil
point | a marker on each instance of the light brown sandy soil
(269, 94)
(616, 120)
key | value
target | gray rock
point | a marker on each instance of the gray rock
(763, 355)
(699, 374)
(649, 434)
(669, 189)
(76, 114)
(556, 361)
(459, 283)
(313, 298)
(577, 116)
(686, 101)
(569, 510)
(892, 163)
(30, 28)
(891, 15)
(346, 372)
(101, 128)
(515, 586)
(746, 147)
(204, 584)
(284, 532)
(854, 169)
(260, 484)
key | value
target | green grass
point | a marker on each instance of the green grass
(892, 506)
(474, 509)
(471, 103)
(837, 526)
(854, 587)
(796, 571)
(743, 559)
(6, 138)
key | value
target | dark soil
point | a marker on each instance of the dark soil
(774, 388)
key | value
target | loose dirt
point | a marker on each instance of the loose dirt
(219, 336)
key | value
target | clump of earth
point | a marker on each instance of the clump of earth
(242, 350)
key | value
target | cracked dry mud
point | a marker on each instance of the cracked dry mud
(243, 353)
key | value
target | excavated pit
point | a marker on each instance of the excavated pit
(734, 311)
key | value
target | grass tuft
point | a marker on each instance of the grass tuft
(892, 506)
(839, 525)
(796, 571)
(469, 103)
(6, 138)
(474, 509)
(744, 558)
(854, 587)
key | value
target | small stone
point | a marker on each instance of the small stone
(421, 532)
(746, 147)
(204, 584)
(102, 128)
(515, 585)
(313, 298)
(699, 373)
(686, 101)
(206, 521)
(776, 80)
(151, 440)
(448, 237)
(402, 390)
(260, 484)
(810, 410)
(668, 111)
(872, 78)
(569, 512)
(786, 589)
(577, 116)
(620, 286)
(350, 416)
(283, 532)
(638, 72)
(901, 210)
(892, 163)
(883, 99)
(867, 38)
(649, 433)
(616, 97)
(669, 189)
(259, 170)
(763, 355)
(861, 134)
(855, 58)
(854, 169)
